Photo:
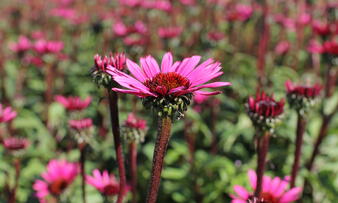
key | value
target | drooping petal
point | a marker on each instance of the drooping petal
(241, 192)
(291, 195)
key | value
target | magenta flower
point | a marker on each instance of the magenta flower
(59, 175)
(81, 124)
(15, 143)
(282, 47)
(6, 114)
(73, 103)
(241, 12)
(315, 47)
(120, 29)
(105, 183)
(117, 61)
(135, 122)
(303, 91)
(331, 47)
(264, 111)
(22, 45)
(44, 47)
(216, 36)
(275, 190)
(175, 79)
(321, 28)
(169, 32)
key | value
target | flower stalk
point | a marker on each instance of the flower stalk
(262, 149)
(113, 104)
(161, 144)
(17, 165)
(83, 174)
(301, 123)
(133, 168)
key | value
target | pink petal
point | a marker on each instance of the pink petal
(291, 195)
(241, 192)
(167, 62)
(252, 178)
(136, 71)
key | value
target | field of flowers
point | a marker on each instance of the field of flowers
(168, 101)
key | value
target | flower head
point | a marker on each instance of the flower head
(105, 183)
(73, 103)
(6, 114)
(321, 28)
(117, 61)
(82, 129)
(264, 111)
(301, 97)
(59, 175)
(275, 190)
(331, 47)
(23, 44)
(15, 143)
(169, 32)
(134, 128)
(282, 47)
(44, 47)
(168, 88)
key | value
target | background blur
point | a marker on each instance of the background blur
(212, 148)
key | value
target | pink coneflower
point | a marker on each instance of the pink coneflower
(304, 19)
(117, 61)
(303, 91)
(321, 28)
(59, 175)
(135, 122)
(241, 12)
(169, 32)
(23, 44)
(44, 47)
(140, 27)
(264, 110)
(274, 190)
(282, 47)
(172, 79)
(315, 47)
(331, 47)
(135, 39)
(6, 114)
(120, 29)
(81, 124)
(73, 103)
(216, 36)
(15, 143)
(105, 183)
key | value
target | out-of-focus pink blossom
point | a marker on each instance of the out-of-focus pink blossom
(135, 39)
(321, 28)
(120, 29)
(135, 122)
(59, 175)
(15, 143)
(216, 36)
(302, 90)
(105, 183)
(241, 12)
(284, 21)
(265, 106)
(43, 46)
(188, 2)
(22, 45)
(81, 124)
(331, 47)
(274, 190)
(282, 47)
(304, 19)
(315, 47)
(6, 114)
(169, 32)
(140, 27)
(163, 5)
(34, 60)
(73, 103)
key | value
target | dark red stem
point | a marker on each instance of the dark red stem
(12, 198)
(113, 104)
(301, 123)
(83, 174)
(158, 157)
(133, 168)
(262, 149)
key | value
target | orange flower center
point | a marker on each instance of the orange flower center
(57, 187)
(269, 198)
(162, 83)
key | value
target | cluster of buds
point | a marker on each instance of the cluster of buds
(82, 129)
(169, 106)
(264, 111)
(73, 103)
(302, 97)
(134, 129)
(100, 76)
